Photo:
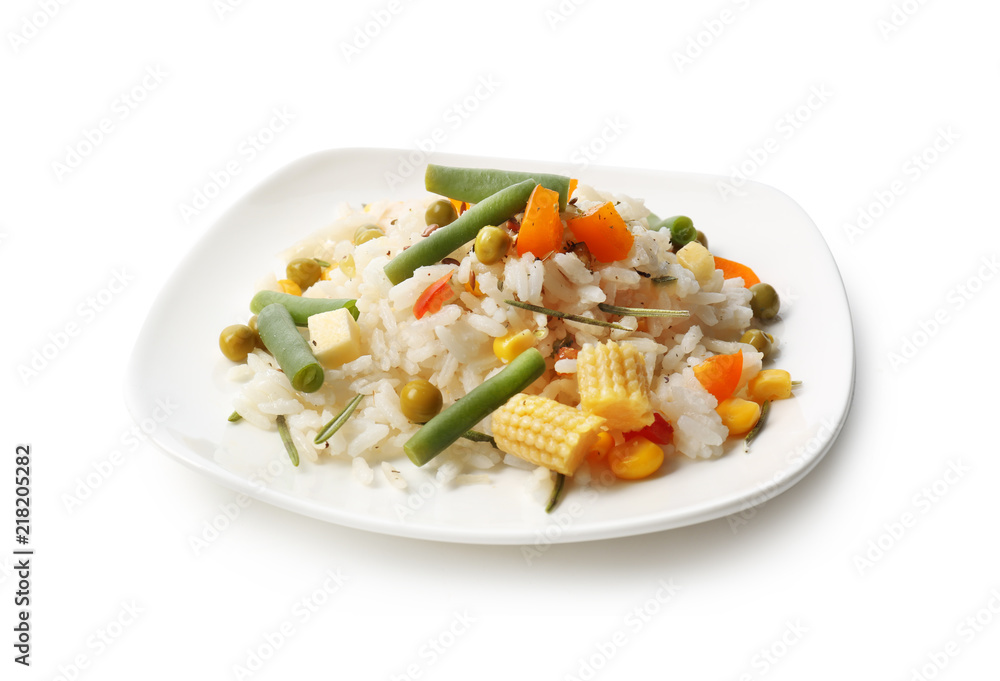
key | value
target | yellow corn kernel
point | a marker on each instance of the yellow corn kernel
(289, 286)
(695, 257)
(544, 432)
(612, 382)
(472, 286)
(770, 384)
(506, 348)
(635, 459)
(347, 266)
(738, 415)
(602, 445)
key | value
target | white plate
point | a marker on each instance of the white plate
(177, 358)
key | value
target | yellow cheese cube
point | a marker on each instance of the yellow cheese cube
(334, 338)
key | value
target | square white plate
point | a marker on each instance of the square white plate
(177, 358)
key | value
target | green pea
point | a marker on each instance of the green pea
(237, 341)
(303, 271)
(420, 401)
(765, 303)
(492, 244)
(440, 213)
(366, 233)
(761, 341)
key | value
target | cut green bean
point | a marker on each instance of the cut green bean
(301, 309)
(565, 315)
(339, 420)
(281, 338)
(476, 436)
(493, 210)
(475, 184)
(557, 489)
(641, 311)
(444, 429)
(286, 439)
(764, 409)
(234, 417)
(654, 221)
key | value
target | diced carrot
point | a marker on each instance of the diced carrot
(541, 230)
(732, 269)
(720, 374)
(605, 233)
(572, 188)
(460, 206)
(433, 297)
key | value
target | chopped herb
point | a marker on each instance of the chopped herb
(286, 439)
(476, 436)
(563, 315)
(645, 275)
(556, 491)
(796, 384)
(764, 409)
(340, 419)
(641, 311)
(234, 417)
(321, 263)
(663, 280)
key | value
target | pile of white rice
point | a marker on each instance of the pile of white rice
(453, 348)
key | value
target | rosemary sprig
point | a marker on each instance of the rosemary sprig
(641, 311)
(563, 315)
(556, 491)
(476, 436)
(339, 420)
(764, 409)
(663, 280)
(286, 439)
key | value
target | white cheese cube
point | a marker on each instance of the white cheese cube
(334, 337)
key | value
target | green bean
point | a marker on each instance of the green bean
(475, 184)
(455, 421)
(301, 308)
(494, 210)
(283, 340)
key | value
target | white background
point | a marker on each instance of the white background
(791, 581)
